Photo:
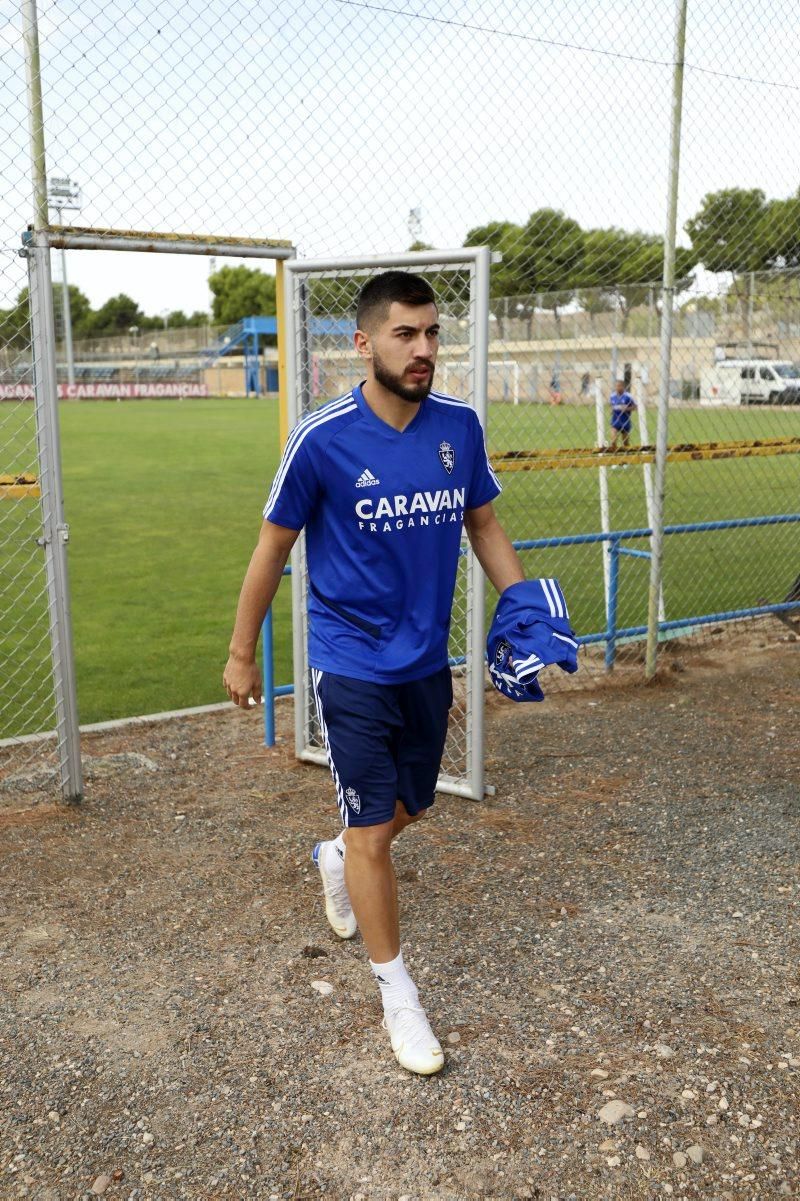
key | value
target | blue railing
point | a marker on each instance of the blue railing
(268, 675)
(612, 634)
(227, 341)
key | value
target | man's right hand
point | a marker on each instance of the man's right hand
(242, 679)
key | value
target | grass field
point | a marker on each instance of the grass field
(164, 501)
(703, 572)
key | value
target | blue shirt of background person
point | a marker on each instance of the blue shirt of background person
(622, 406)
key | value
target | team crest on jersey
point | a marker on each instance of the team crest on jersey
(353, 799)
(447, 457)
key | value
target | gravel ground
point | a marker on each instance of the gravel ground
(608, 949)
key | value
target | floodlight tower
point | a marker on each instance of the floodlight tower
(65, 194)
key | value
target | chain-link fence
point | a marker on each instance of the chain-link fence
(354, 128)
(38, 684)
(27, 697)
(323, 365)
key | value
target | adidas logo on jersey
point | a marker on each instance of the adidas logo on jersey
(367, 479)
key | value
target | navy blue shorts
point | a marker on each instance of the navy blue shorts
(384, 742)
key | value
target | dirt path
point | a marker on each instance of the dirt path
(618, 924)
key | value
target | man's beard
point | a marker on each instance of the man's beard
(413, 393)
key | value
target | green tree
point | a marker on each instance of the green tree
(504, 238)
(723, 230)
(335, 296)
(623, 269)
(242, 292)
(116, 316)
(604, 252)
(778, 233)
(177, 319)
(450, 287)
(14, 322)
(80, 309)
(550, 257)
(727, 235)
(642, 273)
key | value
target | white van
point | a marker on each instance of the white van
(748, 381)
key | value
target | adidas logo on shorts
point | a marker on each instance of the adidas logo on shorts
(366, 479)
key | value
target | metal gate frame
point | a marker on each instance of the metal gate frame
(298, 388)
(55, 531)
(37, 245)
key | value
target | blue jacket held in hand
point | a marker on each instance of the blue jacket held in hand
(530, 630)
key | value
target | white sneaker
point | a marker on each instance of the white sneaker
(415, 1045)
(338, 909)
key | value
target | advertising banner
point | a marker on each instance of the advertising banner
(107, 391)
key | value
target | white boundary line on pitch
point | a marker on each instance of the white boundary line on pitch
(120, 723)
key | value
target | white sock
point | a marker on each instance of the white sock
(395, 983)
(340, 848)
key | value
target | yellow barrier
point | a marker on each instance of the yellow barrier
(14, 487)
(559, 459)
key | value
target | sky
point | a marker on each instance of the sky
(327, 121)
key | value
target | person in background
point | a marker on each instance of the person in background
(622, 406)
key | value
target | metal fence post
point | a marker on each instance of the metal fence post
(667, 302)
(55, 531)
(476, 634)
(33, 71)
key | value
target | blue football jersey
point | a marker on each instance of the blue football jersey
(383, 513)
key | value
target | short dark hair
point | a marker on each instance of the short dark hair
(380, 292)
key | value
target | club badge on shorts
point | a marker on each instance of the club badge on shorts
(447, 457)
(353, 799)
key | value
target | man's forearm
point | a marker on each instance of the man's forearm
(258, 592)
(496, 555)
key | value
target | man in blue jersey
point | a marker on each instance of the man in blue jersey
(622, 406)
(382, 479)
